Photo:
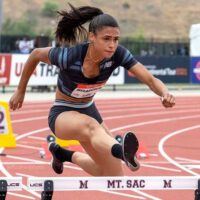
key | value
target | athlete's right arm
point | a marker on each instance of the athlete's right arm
(36, 56)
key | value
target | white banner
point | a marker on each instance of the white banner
(195, 40)
(44, 74)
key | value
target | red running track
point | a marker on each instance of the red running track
(171, 137)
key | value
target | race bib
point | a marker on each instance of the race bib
(84, 91)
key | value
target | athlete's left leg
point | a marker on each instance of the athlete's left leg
(106, 165)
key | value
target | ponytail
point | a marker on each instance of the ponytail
(69, 28)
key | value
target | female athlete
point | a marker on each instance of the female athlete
(84, 68)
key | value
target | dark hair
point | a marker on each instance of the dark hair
(70, 27)
(100, 21)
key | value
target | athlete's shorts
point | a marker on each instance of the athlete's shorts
(91, 111)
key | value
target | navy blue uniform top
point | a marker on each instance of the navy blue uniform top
(71, 80)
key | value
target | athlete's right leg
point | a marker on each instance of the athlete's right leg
(72, 125)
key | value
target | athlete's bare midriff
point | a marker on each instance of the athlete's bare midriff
(61, 96)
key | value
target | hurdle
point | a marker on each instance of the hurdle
(47, 185)
(9, 184)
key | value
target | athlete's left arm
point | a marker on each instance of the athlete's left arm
(156, 85)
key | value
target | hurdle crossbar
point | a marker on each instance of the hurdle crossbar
(116, 183)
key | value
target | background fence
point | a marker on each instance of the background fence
(150, 47)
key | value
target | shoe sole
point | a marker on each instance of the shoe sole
(52, 160)
(57, 172)
(130, 146)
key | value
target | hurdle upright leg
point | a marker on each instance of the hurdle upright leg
(47, 194)
(3, 189)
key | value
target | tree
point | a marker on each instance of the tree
(50, 8)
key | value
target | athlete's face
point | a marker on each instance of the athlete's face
(105, 41)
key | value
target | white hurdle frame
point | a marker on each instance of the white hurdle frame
(50, 184)
(116, 183)
(47, 185)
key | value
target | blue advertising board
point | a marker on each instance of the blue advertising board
(172, 69)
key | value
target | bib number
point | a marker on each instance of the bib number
(3, 128)
(84, 91)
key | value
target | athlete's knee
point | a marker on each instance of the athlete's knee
(91, 127)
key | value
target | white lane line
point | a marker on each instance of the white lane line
(146, 195)
(38, 162)
(187, 160)
(32, 132)
(126, 105)
(150, 114)
(154, 162)
(161, 168)
(28, 119)
(2, 169)
(21, 112)
(192, 166)
(29, 147)
(24, 175)
(162, 162)
(154, 122)
(37, 138)
(20, 195)
(72, 167)
(123, 194)
(165, 155)
(22, 163)
(142, 103)
(141, 109)
(26, 159)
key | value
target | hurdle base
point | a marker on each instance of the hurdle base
(3, 189)
(7, 141)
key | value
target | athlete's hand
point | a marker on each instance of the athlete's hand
(16, 100)
(168, 100)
